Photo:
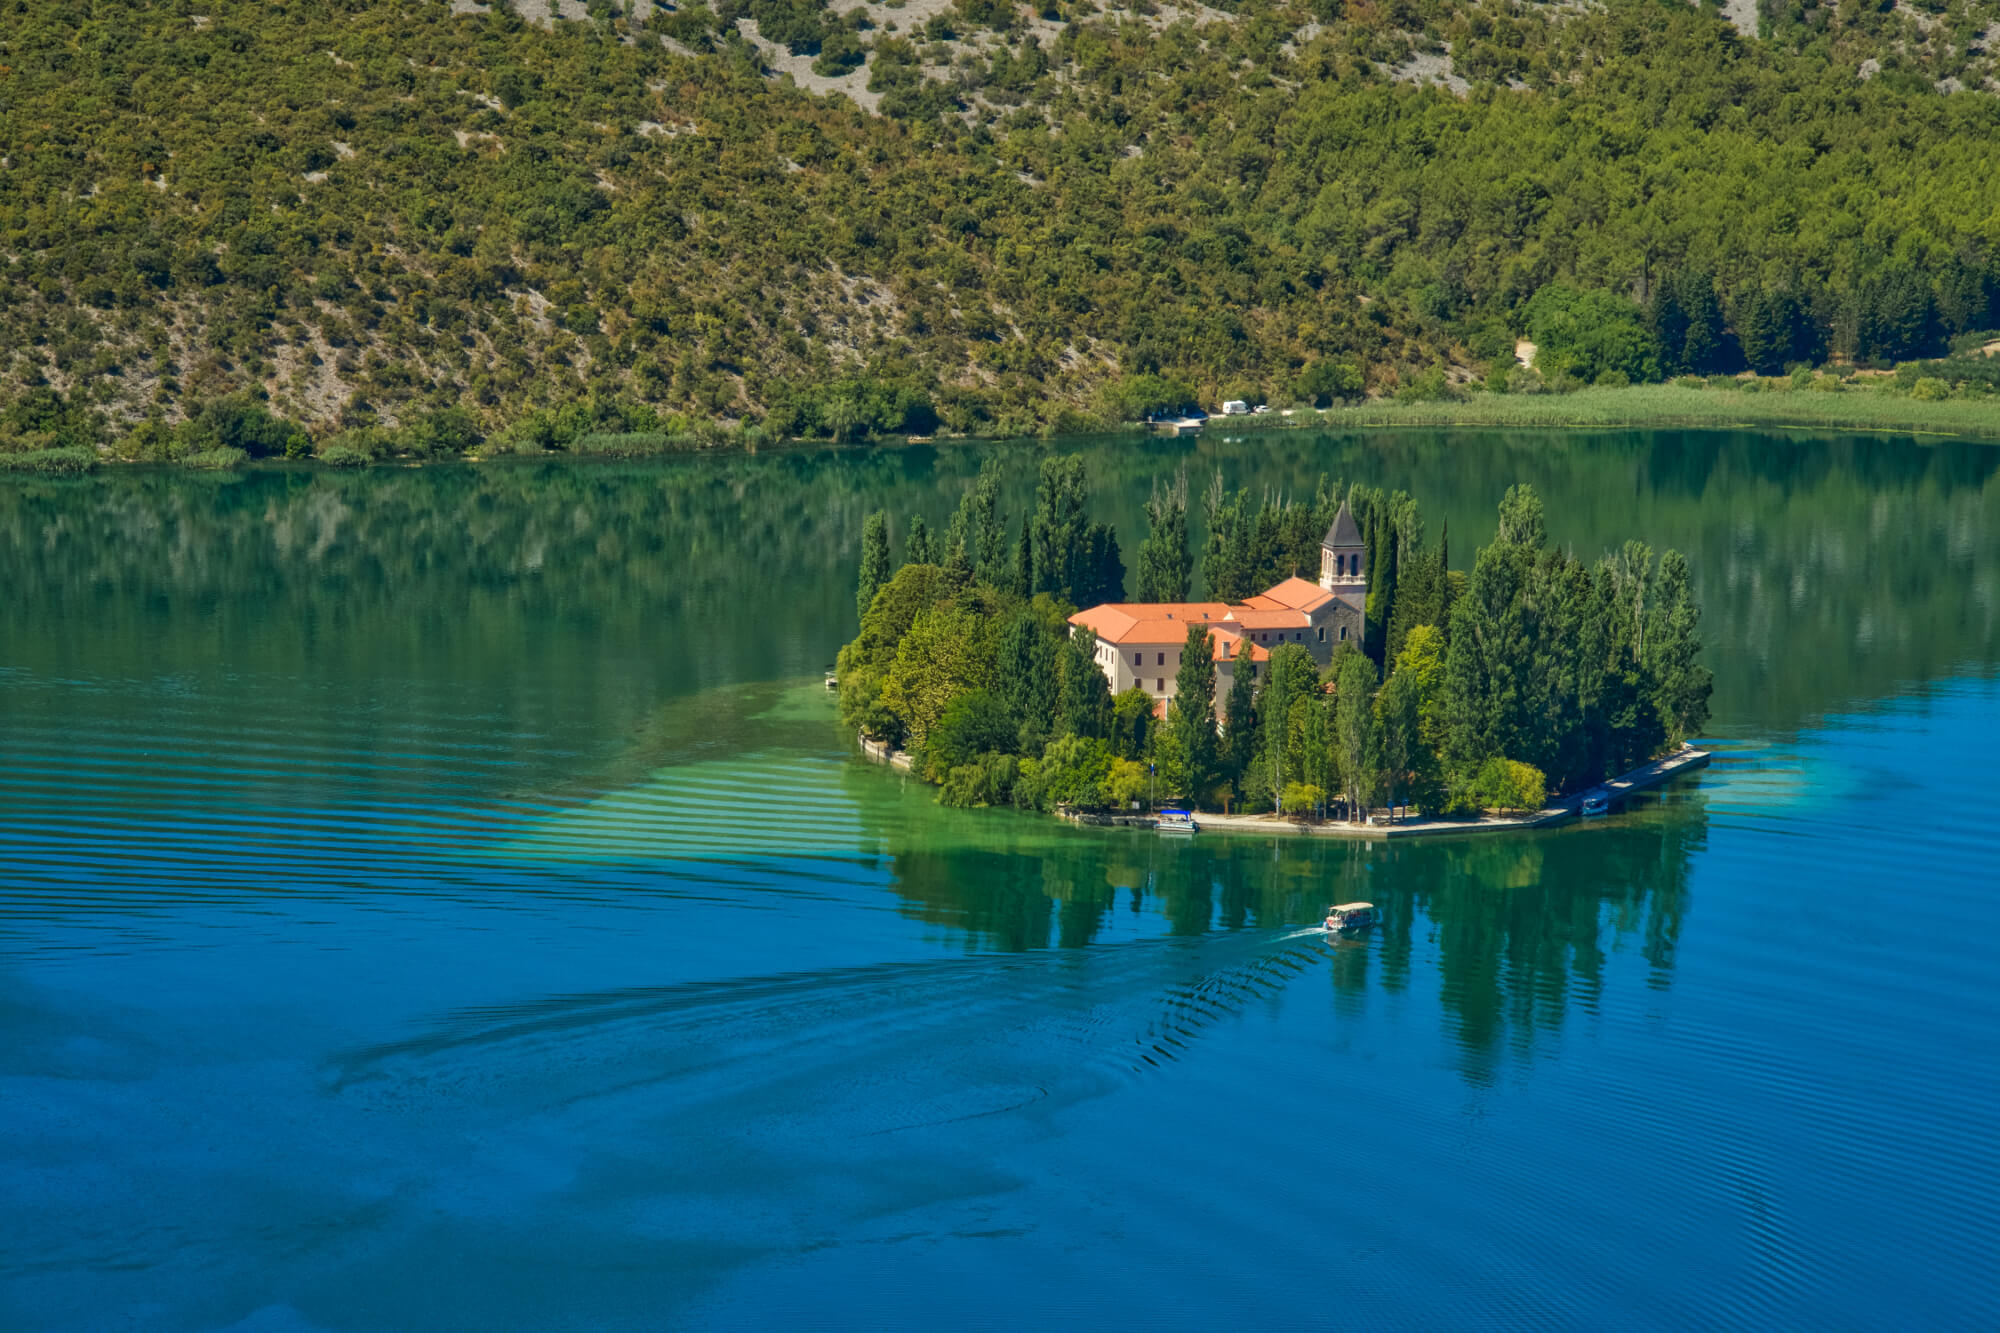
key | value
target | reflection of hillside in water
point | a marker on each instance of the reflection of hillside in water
(1516, 931)
(1831, 570)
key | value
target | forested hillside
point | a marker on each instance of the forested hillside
(380, 212)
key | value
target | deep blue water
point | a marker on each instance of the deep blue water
(446, 982)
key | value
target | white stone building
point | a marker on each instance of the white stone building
(1140, 643)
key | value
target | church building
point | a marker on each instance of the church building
(1140, 643)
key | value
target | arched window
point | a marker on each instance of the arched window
(1343, 634)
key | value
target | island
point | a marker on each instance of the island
(1010, 670)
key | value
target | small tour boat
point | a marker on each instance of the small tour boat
(1176, 821)
(1596, 802)
(1351, 916)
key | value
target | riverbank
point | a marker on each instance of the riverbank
(1773, 404)
(1657, 773)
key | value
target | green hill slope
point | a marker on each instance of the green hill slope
(369, 210)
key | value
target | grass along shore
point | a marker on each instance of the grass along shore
(1772, 404)
(1667, 405)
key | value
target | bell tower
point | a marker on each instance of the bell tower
(1343, 559)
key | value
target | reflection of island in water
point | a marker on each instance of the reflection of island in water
(1519, 928)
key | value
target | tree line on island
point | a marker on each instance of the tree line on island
(1531, 675)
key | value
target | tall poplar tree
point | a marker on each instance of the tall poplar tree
(917, 547)
(1239, 723)
(1025, 676)
(1682, 684)
(1164, 561)
(1061, 529)
(1354, 733)
(1191, 718)
(874, 560)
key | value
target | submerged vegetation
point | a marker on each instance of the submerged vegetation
(1534, 673)
(361, 217)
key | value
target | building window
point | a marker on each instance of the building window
(1138, 659)
(1159, 687)
(1162, 661)
(1322, 634)
(1343, 634)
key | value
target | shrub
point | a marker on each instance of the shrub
(344, 455)
(1302, 800)
(1930, 389)
(987, 780)
(1508, 785)
(68, 460)
(216, 460)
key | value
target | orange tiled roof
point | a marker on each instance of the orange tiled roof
(1288, 606)
(1294, 594)
(1149, 622)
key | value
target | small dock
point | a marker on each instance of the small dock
(1179, 425)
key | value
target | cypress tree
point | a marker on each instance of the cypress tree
(1102, 575)
(1764, 330)
(874, 560)
(1023, 581)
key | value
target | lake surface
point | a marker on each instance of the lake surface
(441, 899)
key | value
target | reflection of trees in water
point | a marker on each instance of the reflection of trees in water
(1522, 926)
(1829, 569)
(1519, 928)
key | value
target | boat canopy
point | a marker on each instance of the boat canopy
(1182, 814)
(1355, 907)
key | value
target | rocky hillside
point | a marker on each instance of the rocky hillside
(972, 217)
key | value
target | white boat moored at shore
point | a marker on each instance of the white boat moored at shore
(1176, 821)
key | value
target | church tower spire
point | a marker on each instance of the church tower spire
(1343, 558)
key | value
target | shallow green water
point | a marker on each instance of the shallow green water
(442, 898)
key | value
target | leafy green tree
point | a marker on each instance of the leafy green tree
(973, 724)
(1132, 723)
(945, 654)
(874, 560)
(1509, 786)
(1084, 699)
(1329, 380)
(1589, 335)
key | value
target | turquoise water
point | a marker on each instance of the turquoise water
(442, 899)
